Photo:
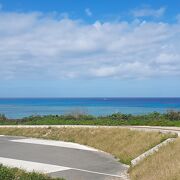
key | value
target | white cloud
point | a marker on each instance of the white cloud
(36, 45)
(88, 12)
(149, 12)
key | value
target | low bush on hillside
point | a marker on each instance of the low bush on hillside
(7, 173)
(173, 115)
(171, 118)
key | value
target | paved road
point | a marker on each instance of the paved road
(60, 159)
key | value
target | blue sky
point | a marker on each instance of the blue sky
(80, 48)
(103, 10)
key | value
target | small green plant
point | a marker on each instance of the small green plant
(7, 173)
(173, 115)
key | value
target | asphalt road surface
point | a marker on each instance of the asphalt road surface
(59, 159)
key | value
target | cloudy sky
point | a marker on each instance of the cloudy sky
(80, 48)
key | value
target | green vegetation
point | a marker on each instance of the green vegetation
(7, 173)
(125, 144)
(171, 118)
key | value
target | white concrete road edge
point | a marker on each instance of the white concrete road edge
(55, 143)
(151, 151)
(30, 166)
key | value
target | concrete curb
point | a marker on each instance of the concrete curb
(137, 160)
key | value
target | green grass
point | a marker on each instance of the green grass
(153, 119)
(7, 173)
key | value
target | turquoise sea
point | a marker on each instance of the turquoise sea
(21, 107)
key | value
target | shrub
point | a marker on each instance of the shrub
(7, 173)
(120, 116)
(173, 115)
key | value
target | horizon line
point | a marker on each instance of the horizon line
(90, 97)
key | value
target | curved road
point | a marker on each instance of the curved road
(60, 159)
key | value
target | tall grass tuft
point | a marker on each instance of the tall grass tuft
(163, 165)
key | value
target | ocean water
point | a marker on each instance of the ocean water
(22, 107)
